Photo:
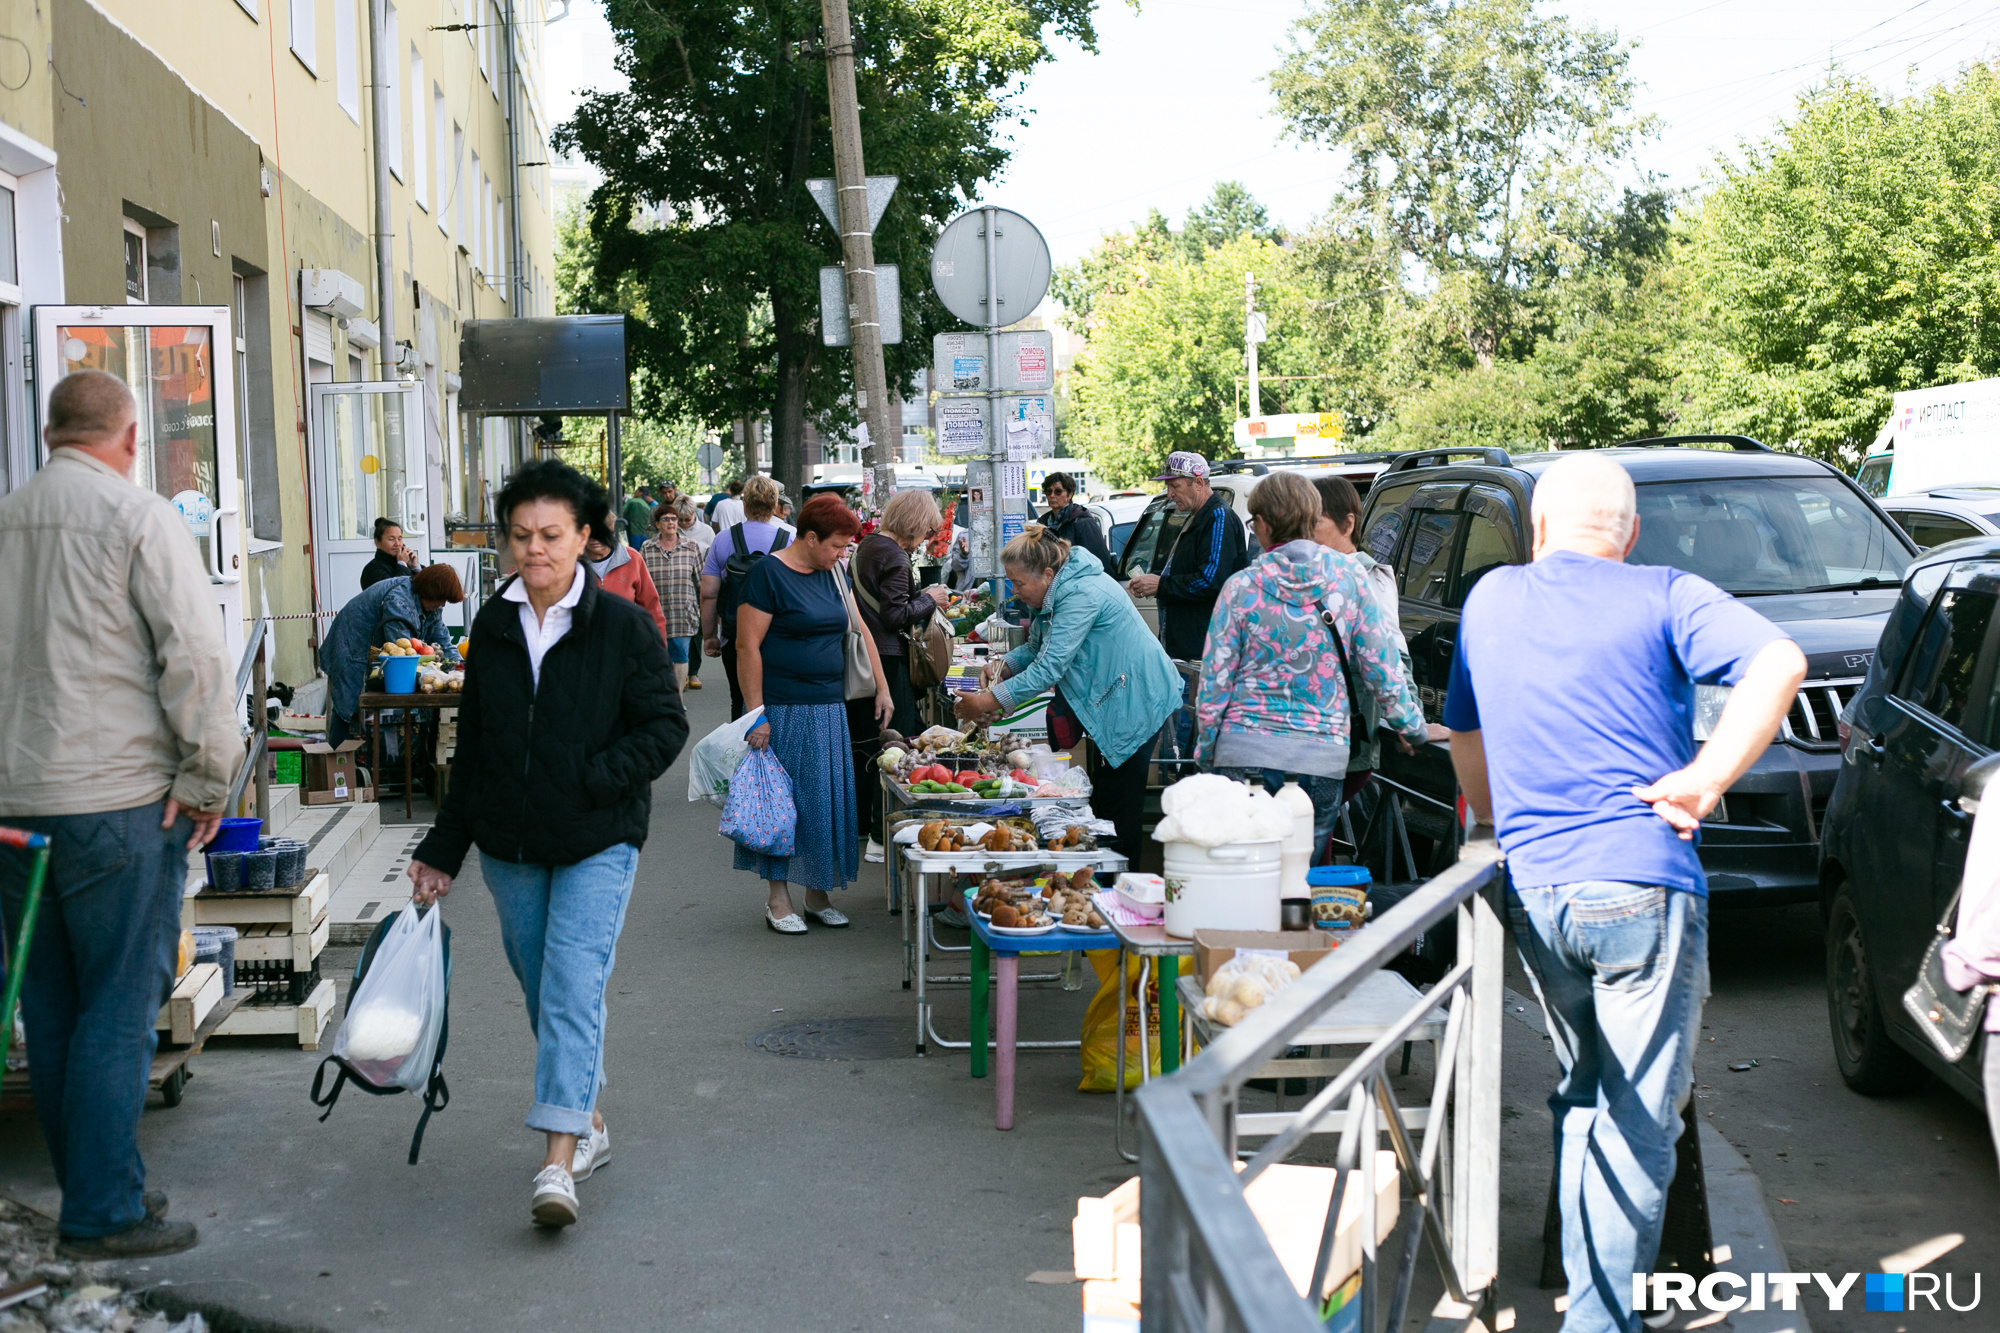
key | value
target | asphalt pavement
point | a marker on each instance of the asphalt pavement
(748, 1189)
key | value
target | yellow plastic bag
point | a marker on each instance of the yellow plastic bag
(186, 953)
(1100, 1023)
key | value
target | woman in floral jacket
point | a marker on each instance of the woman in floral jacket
(1274, 694)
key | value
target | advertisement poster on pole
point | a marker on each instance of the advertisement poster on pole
(958, 362)
(961, 426)
(1029, 427)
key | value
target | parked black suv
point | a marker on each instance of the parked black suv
(1918, 751)
(1799, 540)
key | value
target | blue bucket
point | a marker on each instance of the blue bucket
(399, 675)
(238, 835)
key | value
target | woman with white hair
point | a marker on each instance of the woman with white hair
(885, 586)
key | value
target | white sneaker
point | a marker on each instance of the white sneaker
(555, 1198)
(592, 1150)
(874, 852)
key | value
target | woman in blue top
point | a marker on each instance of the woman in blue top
(789, 632)
(1087, 637)
(410, 607)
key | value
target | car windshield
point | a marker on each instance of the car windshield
(1753, 535)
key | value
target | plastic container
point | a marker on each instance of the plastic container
(225, 871)
(217, 944)
(1339, 896)
(291, 859)
(1296, 851)
(237, 835)
(399, 675)
(1232, 887)
(260, 872)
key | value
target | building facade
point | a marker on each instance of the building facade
(196, 201)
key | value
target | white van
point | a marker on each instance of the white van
(1947, 436)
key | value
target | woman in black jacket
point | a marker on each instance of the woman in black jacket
(569, 714)
(890, 603)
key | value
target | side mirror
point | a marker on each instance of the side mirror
(1972, 787)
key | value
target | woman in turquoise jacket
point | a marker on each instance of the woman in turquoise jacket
(1087, 637)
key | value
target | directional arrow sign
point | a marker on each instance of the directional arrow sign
(880, 189)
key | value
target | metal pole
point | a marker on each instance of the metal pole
(996, 443)
(857, 248)
(262, 713)
(518, 256)
(1250, 339)
(385, 238)
(614, 465)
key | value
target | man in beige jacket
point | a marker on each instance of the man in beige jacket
(118, 739)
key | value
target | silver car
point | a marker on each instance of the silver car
(1947, 514)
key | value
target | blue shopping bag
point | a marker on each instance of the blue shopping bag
(759, 813)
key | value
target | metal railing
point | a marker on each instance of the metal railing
(250, 679)
(1208, 1266)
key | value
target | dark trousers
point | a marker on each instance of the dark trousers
(865, 734)
(735, 690)
(100, 966)
(1119, 795)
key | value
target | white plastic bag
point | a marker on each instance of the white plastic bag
(1246, 982)
(390, 1034)
(715, 756)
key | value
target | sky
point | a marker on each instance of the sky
(1175, 99)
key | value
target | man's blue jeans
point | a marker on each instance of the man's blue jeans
(1622, 971)
(100, 966)
(559, 926)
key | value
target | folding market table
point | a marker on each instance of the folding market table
(1002, 953)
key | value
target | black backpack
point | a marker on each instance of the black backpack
(736, 573)
(436, 1095)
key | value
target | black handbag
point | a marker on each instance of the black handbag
(1950, 1018)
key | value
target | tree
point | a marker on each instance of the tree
(1228, 212)
(1477, 134)
(1848, 256)
(704, 207)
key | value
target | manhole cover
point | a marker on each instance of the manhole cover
(838, 1039)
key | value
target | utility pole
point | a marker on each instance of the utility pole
(857, 248)
(1253, 333)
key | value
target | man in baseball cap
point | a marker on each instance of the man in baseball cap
(1208, 550)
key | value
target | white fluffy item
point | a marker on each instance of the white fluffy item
(382, 1031)
(1210, 810)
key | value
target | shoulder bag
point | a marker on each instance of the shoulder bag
(926, 644)
(858, 672)
(1949, 1018)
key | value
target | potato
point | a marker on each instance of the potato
(1228, 1013)
(1248, 992)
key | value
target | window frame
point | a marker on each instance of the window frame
(420, 166)
(302, 33)
(1498, 508)
(132, 228)
(1979, 687)
(347, 59)
(1933, 515)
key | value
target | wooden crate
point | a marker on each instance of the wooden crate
(308, 1021)
(194, 996)
(271, 942)
(299, 911)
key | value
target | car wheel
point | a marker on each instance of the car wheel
(1869, 1059)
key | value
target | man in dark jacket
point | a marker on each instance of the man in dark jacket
(1071, 521)
(392, 558)
(1209, 549)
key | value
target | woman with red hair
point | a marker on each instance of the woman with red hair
(790, 627)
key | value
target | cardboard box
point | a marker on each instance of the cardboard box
(1213, 948)
(330, 771)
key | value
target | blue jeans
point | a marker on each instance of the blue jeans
(1622, 970)
(1325, 793)
(100, 966)
(559, 926)
(677, 649)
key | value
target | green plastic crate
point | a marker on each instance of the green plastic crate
(288, 767)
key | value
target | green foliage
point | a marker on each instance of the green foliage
(1477, 137)
(1228, 212)
(650, 452)
(1850, 255)
(703, 228)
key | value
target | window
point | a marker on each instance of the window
(257, 412)
(1939, 679)
(346, 60)
(419, 184)
(1385, 529)
(135, 263)
(10, 271)
(1874, 475)
(305, 33)
(476, 185)
(1153, 539)
(1489, 542)
(1752, 535)
(357, 369)
(1928, 528)
(443, 155)
(482, 16)
(500, 244)
(458, 191)
(393, 103)
(1427, 571)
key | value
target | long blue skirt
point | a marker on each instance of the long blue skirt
(811, 741)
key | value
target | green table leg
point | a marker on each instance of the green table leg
(982, 962)
(1167, 968)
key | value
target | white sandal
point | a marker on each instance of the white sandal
(831, 917)
(788, 924)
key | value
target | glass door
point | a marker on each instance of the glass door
(368, 463)
(177, 361)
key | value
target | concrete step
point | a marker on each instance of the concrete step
(285, 807)
(377, 884)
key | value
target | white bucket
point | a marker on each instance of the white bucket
(1233, 887)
